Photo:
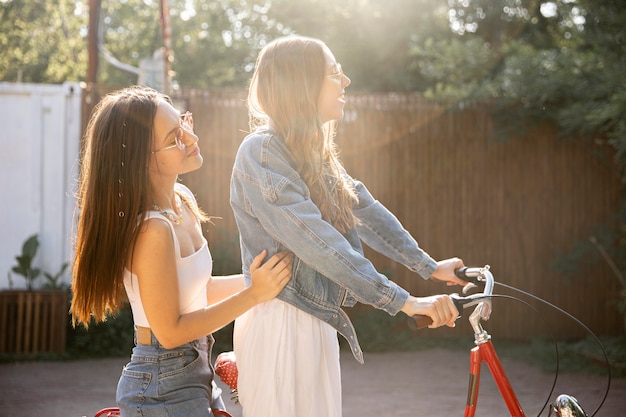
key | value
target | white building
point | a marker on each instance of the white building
(39, 151)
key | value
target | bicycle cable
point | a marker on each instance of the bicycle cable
(580, 323)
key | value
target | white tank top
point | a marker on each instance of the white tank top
(194, 273)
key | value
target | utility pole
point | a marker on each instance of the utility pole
(92, 41)
(166, 34)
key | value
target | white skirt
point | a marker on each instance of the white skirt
(288, 363)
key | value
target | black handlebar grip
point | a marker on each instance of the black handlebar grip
(460, 272)
(419, 321)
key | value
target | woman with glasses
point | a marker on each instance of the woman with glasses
(139, 239)
(290, 192)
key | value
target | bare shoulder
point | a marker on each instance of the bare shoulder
(155, 242)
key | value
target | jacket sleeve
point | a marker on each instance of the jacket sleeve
(382, 231)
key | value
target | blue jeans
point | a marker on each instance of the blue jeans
(159, 382)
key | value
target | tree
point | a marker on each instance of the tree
(215, 43)
(370, 38)
(559, 61)
(41, 42)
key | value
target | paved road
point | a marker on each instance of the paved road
(429, 383)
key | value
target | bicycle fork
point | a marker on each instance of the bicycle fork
(486, 352)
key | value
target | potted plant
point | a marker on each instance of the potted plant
(24, 265)
(34, 320)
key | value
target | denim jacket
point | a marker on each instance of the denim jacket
(274, 211)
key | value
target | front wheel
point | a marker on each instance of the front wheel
(566, 406)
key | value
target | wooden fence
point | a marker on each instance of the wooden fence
(514, 205)
(33, 321)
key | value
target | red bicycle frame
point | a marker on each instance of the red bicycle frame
(485, 352)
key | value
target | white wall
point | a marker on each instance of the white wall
(39, 148)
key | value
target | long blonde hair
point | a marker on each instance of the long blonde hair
(113, 193)
(285, 88)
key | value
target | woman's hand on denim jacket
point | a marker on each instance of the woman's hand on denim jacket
(271, 277)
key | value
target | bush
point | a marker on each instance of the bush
(114, 337)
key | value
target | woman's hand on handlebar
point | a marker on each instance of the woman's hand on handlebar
(445, 271)
(439, 308)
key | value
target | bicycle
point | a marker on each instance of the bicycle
(563, 406)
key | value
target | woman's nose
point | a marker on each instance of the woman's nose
(189, 137)
(346, 81)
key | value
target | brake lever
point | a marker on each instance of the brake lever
(468, 287)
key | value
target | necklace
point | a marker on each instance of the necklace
(171, 215)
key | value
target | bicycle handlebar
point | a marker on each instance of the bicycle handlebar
(473, 276)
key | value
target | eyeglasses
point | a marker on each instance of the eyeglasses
(338, 74)
(186, 124)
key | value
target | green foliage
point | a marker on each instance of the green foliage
(586, 354)
(454, 68)
(114, 337)
(53, 282)
(561, 62)
(581, 356)
(226, 253)
(24, 265)
(585, 254)
(377, 331)
(215, 43)
(42, 42)
(223, 339)
(370, 38)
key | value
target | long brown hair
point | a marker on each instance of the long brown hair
(285, 88)
(113, 192)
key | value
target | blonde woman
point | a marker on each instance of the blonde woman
(139, 238)
(290, 192)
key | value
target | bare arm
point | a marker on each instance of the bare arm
(155, 265)
(222, 287)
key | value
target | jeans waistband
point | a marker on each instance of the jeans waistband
(145, 337)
